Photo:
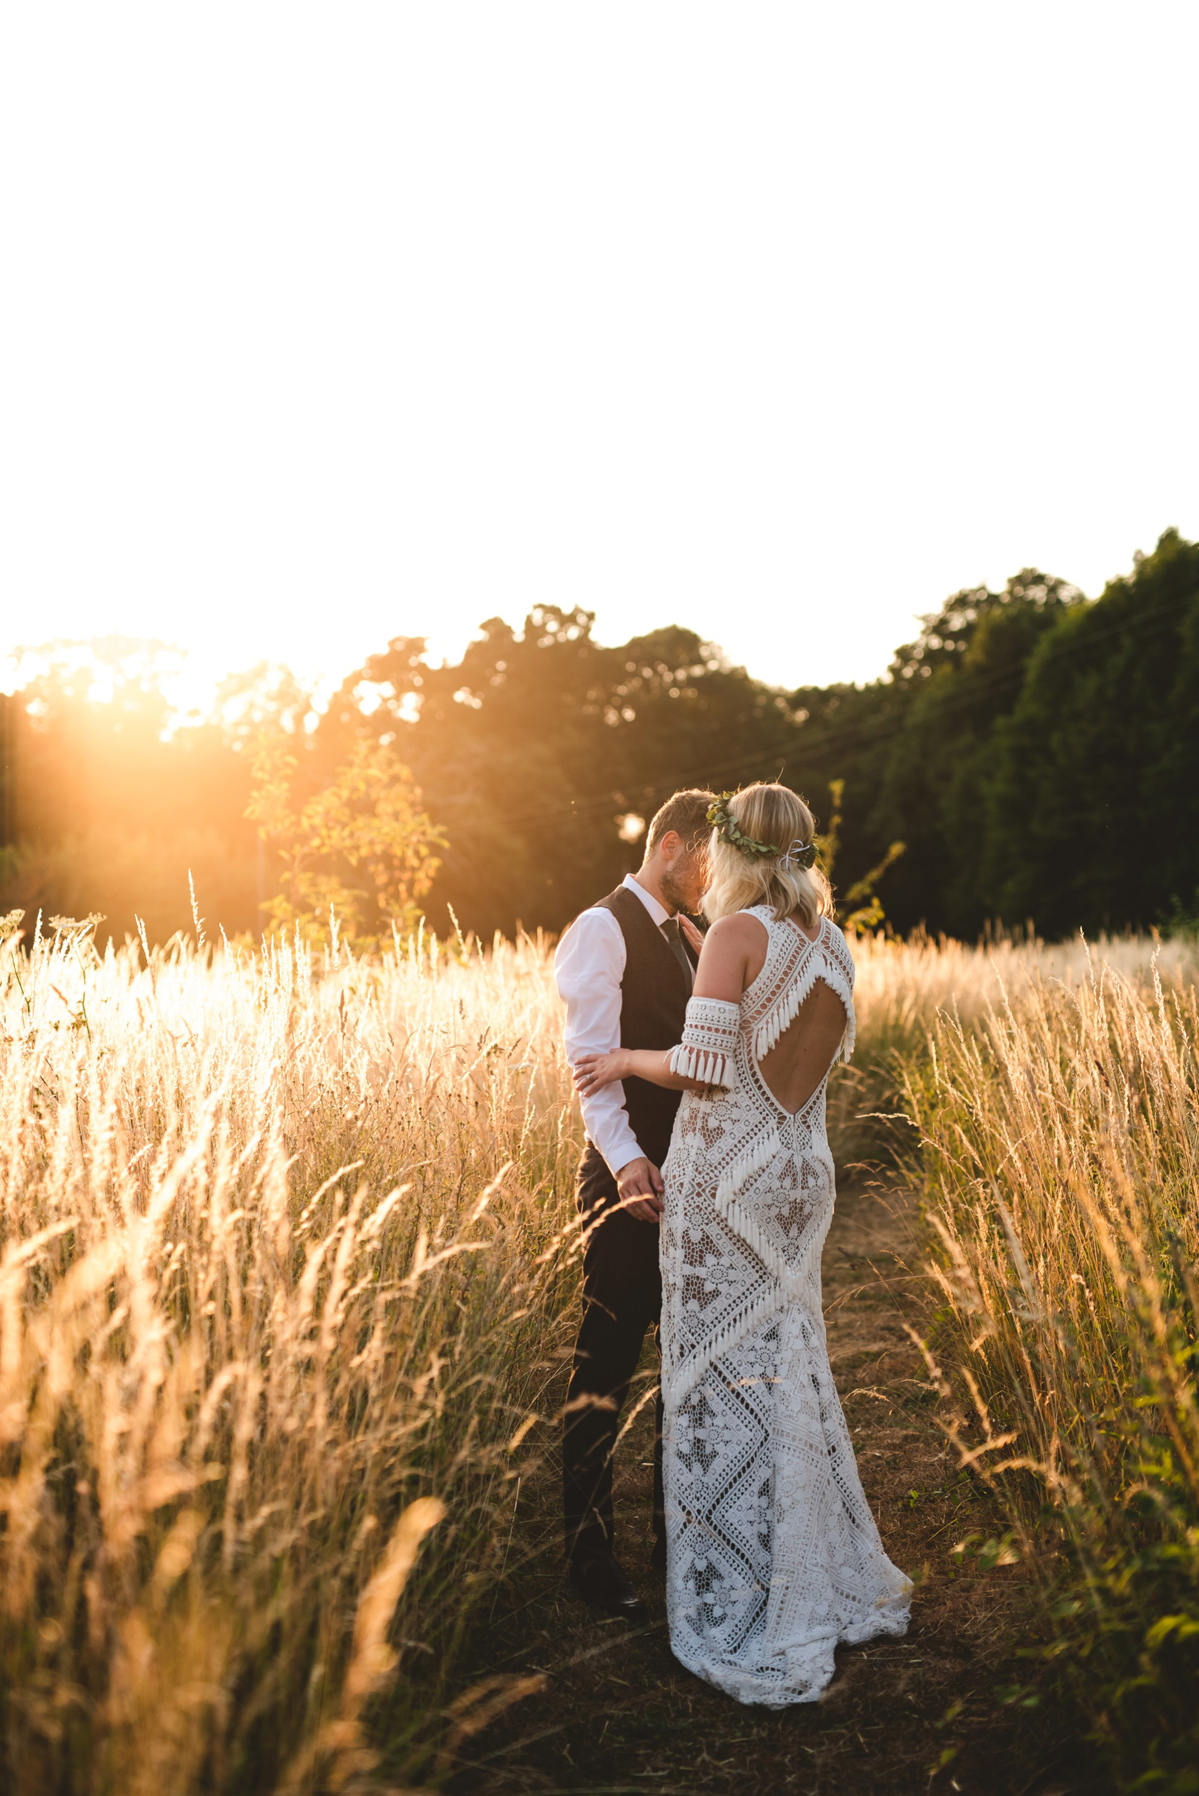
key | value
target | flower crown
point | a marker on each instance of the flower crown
(800, 854)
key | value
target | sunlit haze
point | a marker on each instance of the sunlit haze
(327, 324)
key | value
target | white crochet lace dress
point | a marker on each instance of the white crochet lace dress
(773, 1555)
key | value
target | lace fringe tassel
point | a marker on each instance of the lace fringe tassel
(739, 1220)
(754, 1160)
(679, 1382)
(702, 1064)
(745, 1226)
(771, 1027)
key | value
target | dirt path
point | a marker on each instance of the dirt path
(927, 1713)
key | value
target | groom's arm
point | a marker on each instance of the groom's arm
(588, 968)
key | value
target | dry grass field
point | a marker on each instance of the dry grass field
(287, 1276)
(1059, 1163)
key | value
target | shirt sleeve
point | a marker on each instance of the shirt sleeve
(588, 968)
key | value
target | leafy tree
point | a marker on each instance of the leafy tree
(862, 908)
(1093, 808)
(1038, 754)
(538, 745)
(965, 672)
(366, 825)
(843, 744)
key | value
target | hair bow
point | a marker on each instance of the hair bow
(800, 854)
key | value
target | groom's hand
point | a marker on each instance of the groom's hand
(640, 1187)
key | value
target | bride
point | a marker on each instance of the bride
(773, 1556)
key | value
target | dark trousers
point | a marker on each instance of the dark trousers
(622, 1299)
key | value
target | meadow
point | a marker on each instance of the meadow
(288, 1274)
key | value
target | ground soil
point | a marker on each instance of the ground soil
(952, 1707)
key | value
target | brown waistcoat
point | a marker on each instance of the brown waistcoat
(653, 1008)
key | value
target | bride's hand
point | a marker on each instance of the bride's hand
(593, 1071)
(692, 933)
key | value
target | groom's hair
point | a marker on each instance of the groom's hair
(687, 814)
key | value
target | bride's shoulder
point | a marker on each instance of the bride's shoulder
(735, 941)
(740, 926)
(735, 948)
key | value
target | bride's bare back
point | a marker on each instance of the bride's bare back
(797, 1063)
(794, 1068)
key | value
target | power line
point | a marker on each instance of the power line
(836, 742)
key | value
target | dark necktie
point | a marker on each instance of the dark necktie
(672, 930)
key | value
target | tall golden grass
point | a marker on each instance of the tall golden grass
(288, 1266)
(1059, 1162)
(282, 1281)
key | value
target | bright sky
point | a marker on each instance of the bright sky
(322, 323)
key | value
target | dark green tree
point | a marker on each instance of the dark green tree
(1093, 807)
(964, 673)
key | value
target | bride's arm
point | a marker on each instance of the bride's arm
(593, 1071)
(730, 959)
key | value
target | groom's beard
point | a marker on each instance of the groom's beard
(682, 892)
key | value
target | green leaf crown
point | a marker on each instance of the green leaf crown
(799, 854)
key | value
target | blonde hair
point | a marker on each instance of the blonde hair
(779, 816)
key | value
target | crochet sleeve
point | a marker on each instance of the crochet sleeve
(709, 1040)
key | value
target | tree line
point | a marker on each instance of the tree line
(1036, 753)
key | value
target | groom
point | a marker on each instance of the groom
(624, 969)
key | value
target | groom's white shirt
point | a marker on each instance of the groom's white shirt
(589, 967)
